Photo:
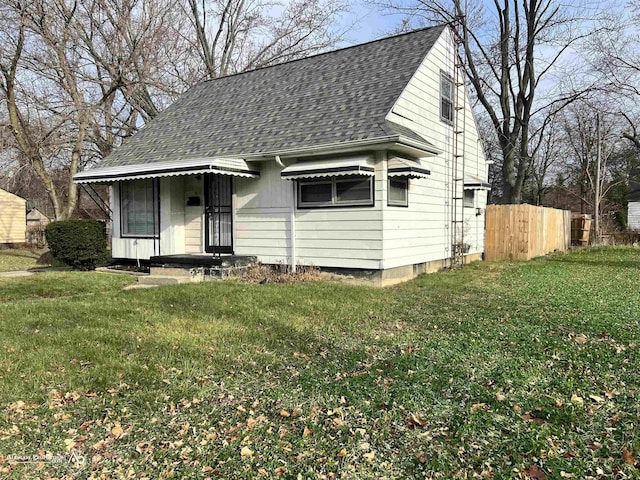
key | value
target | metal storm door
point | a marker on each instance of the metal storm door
(218, 214)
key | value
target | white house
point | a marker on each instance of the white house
(633, 221)
(367, 157)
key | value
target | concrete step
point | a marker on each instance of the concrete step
(187, 272)
(162, 280)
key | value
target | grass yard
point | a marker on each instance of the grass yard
(19, 259)
(527, 370)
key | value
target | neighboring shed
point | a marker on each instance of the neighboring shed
(35, 218)
(13, 218)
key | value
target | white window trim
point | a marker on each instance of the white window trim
(395, 203)
(154, 210)
(334, 203)
(445, 77)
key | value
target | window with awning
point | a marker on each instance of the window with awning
(359, 165)
(222, 166)
(403, 167)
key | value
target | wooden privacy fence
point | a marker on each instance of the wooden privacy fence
(521, 232)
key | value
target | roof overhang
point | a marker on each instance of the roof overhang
(402, 167)
(475, 183)
(223, 166)
(397, 143)
(358, 165)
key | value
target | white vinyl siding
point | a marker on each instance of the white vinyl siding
(422, 231)
(349, 237)
(634, 215)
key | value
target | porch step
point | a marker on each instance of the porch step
(174, 269)
(151, 280)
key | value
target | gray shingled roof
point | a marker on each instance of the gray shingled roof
(333, 97)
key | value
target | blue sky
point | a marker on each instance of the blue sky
(367, 24)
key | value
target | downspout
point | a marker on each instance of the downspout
(292, 219)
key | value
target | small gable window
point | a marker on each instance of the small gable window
(139, 208)
(446, 97)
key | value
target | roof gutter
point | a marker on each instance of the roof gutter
(394, 142)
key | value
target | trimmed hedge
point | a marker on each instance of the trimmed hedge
(81, 244)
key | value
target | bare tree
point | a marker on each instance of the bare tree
(502, 43)
(77, 78)
(232, 36)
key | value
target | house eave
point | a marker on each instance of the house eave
(397, 143)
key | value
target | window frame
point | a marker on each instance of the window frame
(466, 204)
(334, 203)
(445, 77)
(155, 208)
(394, 203)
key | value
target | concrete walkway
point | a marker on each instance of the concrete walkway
(17, 273)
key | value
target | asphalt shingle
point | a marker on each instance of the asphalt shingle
(333, 97)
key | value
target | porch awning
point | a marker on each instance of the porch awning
(223, 166)
(360, 165)
(472, 182)
(403, 167)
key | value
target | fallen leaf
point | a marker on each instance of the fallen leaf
(342, 453)
(101, 445)
(246, 452)
(279, 471)
(535, 472)
(531, 418)
(117, 431)
(500, 397)
(284, 413)
(628, 457)
(144, 447)
(307, 432)
(370, 456)
(414, 420)
(596, 398)
(365, 446)
(479, 406)
(580, 339)
(297, 412)
(69, 444)
(577, 399)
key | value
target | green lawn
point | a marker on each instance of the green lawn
(494, 371)
(19, 259)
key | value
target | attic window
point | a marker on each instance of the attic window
(446, 97)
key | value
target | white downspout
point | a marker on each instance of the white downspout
(293, 226)
(292, 219)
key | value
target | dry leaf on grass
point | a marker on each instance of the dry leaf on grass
(414, 420)
(627, 456)
(580, 339)
(534, 472)
(116, 431)
(246, 452)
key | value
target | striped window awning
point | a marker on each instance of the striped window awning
(472, 182)
(360, 165)
(403, 167)
(223, 166)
